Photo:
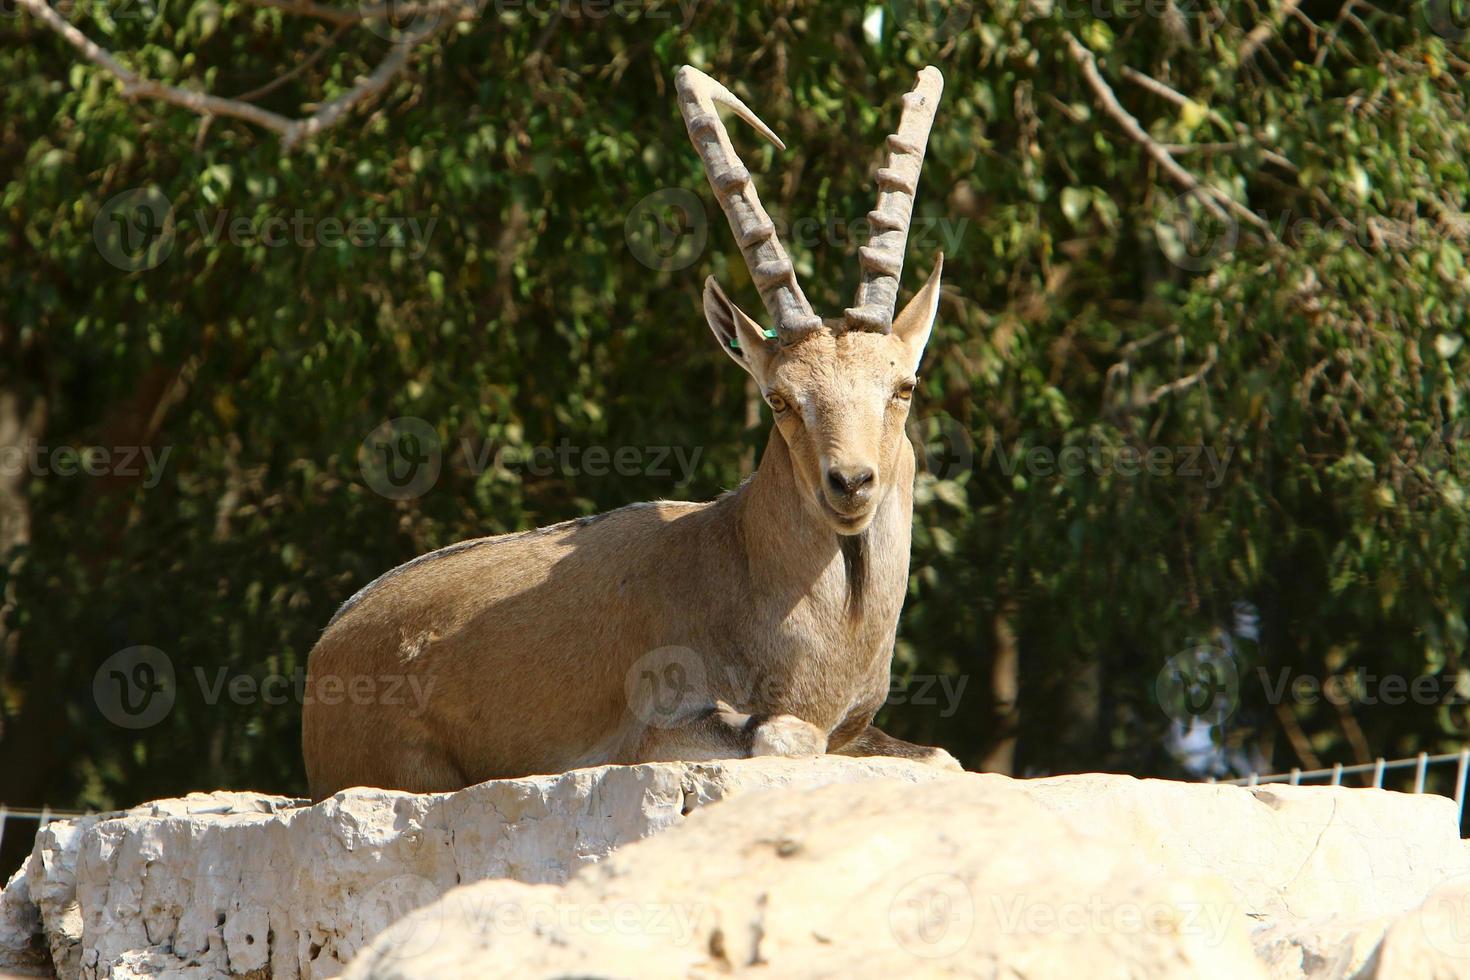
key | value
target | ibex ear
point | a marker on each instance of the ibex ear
(739, 336)
(914, 323)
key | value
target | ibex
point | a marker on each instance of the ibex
(760, 623)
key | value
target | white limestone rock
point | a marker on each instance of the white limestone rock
(1291, 852)
(957, 877)
(241, 884)
(790, 874)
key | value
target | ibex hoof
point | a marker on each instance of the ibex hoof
(788, 735)
(940, 759)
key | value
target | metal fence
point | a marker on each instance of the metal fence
(39, 818)
(1333, 776)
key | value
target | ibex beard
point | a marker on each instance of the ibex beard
(761, 623)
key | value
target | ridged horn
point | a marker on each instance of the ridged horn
(881, 260)
(770, 267)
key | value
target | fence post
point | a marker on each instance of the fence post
(1419, 767)
(1378, 766)
(1460, 784)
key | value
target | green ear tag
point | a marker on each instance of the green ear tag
(769, 335)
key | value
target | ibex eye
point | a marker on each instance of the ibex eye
(905, 391)
(778, 404)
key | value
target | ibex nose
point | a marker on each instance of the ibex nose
(850, 482)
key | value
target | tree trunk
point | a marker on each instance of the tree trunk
(1005, 686)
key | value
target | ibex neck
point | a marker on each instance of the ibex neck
(789, 547)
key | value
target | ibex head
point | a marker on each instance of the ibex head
(840, 388)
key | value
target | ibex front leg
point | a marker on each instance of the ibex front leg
(721, 732)
(875, 741)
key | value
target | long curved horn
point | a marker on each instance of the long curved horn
(882, 258)
(769, 265)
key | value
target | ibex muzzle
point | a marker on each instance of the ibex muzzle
(759, 623)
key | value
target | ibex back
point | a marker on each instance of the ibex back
(760, 623)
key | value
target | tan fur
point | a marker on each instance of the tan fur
(762, 622)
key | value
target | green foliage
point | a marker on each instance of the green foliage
(1321, 357)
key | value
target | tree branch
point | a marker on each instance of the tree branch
(291, 131)
(1211, 197)
(453, 10)
(1300, 744)
(1263, 31)
(302, 66)
(1188, 381)
(1168, 94)
(330, 113)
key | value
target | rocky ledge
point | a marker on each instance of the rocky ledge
(825, 867)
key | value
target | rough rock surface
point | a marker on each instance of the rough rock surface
(956, 877)
(1098, 876)
(828, 867)
(1291, 852)
(1431, 942)
(242, 884)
